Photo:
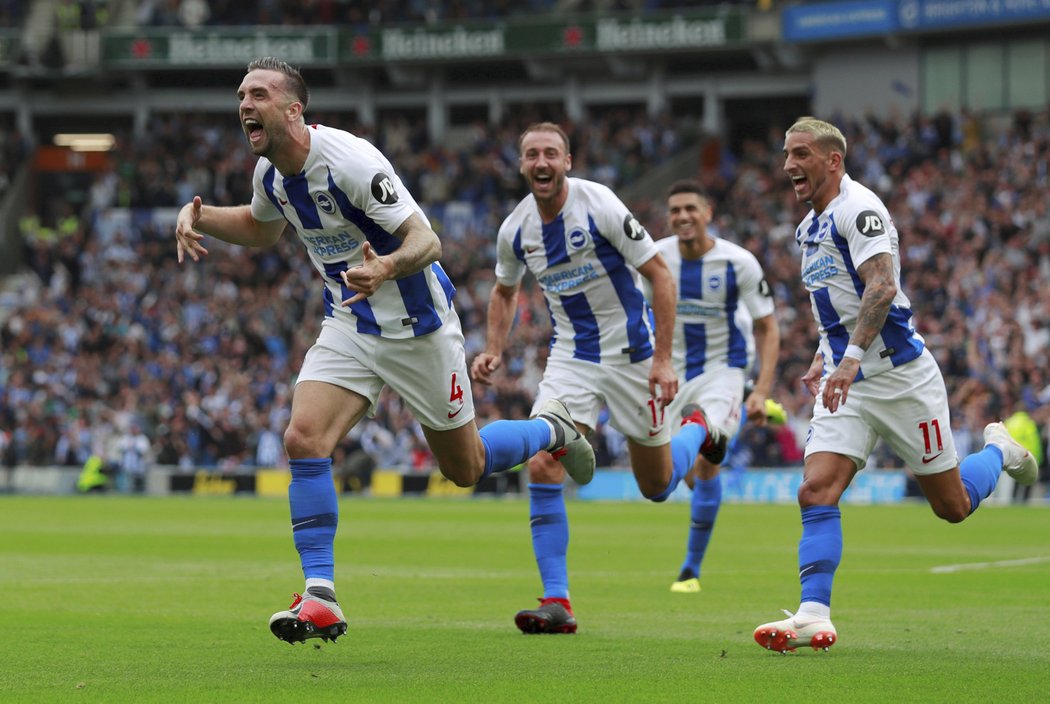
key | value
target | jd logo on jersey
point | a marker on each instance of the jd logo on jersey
(869, 224)
(632, 228)
(383, 189)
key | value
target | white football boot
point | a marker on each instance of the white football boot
(795, 631)
(1017, 461)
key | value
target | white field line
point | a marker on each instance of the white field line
(945, 569)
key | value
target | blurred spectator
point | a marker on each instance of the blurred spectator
(134, 449)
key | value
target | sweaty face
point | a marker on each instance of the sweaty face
(688, 215)
(544, 163)
(806, 165)
(262, 104)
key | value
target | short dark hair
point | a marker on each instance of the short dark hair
(294, 83)
(545, 127)
(687, 185)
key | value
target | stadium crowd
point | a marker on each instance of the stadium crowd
(112, 341)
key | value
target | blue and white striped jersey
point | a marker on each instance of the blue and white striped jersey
(348, 193)
(719, 295)
(853, 228)
(583, 262)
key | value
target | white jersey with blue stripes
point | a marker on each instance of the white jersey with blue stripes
(719, 296)
(583, 261)
(854, 227)
(346, 194)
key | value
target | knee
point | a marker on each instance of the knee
(951, 512)
(463, 477)
(544, 469)
(653, 491)
(300, 444)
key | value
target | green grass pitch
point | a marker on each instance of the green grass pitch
(116, 599)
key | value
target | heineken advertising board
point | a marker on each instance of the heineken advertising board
(653, 32)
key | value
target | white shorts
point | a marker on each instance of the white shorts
(585, 387)
(429, 372)
(720, 392)
(906, 406)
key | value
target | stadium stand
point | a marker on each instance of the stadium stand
(107, 331)
(99, 328)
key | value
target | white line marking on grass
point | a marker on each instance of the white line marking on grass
(945, 569)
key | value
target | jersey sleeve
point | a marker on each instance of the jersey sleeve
(510, 268)
(263, 208)
(864, 225)
(622, 229)
(370, 184)
(754, 289)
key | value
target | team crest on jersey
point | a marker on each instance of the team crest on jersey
(813, 238)
(324, 202)
(383, 189)
(869, 224)
(714, 282)
(577, 239)
(632, 228)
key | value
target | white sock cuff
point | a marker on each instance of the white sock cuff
(814, 609)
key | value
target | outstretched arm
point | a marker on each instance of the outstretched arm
(230, 224)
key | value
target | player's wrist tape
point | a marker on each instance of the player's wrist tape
(854, 352)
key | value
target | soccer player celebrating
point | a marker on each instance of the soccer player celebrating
(581, 242)
(724, 307)
(872, 377)
(388, 320)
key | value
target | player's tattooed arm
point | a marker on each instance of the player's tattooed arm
(420, 247)
(879, 291)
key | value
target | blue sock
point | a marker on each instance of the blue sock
(819, 552)
(315, 516)
(508, 443)
(980, 472)
(707, 497)
(550, 537)
(684, 448)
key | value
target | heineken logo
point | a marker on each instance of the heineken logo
(457, 42)
(213, 48)
(677, 32)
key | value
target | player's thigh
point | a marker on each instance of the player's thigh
(845, 432)
(322, 414)
(908, 406)
(719, 392)
(578, 385)
(429, 373)
(343, 360)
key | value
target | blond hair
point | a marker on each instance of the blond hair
(825, 134)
